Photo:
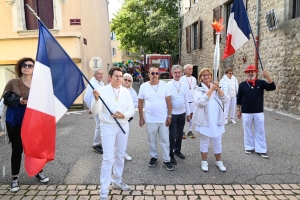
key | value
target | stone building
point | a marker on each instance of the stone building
(279, 48)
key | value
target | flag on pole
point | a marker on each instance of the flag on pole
(238, 29)
(55, 85)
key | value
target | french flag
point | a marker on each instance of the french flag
(55, 85)
(238, 29)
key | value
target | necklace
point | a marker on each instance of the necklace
(249, 85)
(190, 83)
(117, 97)
(178, 90)
(155, 89)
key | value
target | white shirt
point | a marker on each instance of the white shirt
(89, 91)
(155, 105)
(192, 84)
(124, 104)
(179, 96)
(134, 97)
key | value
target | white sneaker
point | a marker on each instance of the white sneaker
(103, 198)
(221, 166)
(204, 166)
(233, 121)
(226, 121)
(121, 186)
(127, 157)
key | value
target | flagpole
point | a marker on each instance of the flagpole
(35, 14)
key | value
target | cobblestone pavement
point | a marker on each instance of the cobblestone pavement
(155, 192)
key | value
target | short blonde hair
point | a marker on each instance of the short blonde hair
(128, 75)
(202, 72)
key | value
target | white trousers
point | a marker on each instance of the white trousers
(254, 140)
(97, 134)
(160, 131)
(114, 143)
(230, 107)
(216, 142)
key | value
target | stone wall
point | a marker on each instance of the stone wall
(279, 49)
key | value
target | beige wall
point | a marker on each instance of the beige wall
(17, 42)
(119, 53)
(279, 49)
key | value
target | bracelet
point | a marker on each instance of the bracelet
(170, 116)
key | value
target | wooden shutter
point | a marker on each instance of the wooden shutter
(31, 21)
(188, 39)
(199, 45)
(45, 11)
(217, 15)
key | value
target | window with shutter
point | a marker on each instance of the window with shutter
(188, 39)
(195, 36)
(44, 9)
(217, 15)
(199, 40)
(296, 8)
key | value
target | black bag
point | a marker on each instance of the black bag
(11, 99)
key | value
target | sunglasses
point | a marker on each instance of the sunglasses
(230, 73)
(30, 66)
(154, 73)
(127, 80)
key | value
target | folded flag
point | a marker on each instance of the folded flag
(55, 85)
(238, 29)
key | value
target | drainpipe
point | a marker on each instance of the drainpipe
(257, 32)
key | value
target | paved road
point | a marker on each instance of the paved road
(76, 163)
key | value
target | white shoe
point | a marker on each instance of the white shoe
(103, 198)
(221, 166)
(226, 121)
(204, 166)
(121, 186)
(233, 121)
(127, 157)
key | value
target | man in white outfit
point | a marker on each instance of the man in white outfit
(96, 82)
(158, 114)
(114, 140)
(192, 84)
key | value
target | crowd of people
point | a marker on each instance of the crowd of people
(163, 108)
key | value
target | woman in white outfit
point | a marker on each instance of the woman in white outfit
(127, 83)
(114, 140)
(230, 86)
(209, 117)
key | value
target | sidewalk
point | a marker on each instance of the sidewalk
(155, 192)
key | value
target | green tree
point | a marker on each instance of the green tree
(148, 24)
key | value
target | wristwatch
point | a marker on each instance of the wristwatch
(170, 116)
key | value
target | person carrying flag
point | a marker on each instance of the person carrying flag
(114, 140)
(250, 106)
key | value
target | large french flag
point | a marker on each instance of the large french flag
(238, 29)
(56, 83)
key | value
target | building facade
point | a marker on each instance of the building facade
(80, 26)
(279, 47)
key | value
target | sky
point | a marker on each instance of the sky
(113, 7)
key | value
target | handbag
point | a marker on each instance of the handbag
(11, 99)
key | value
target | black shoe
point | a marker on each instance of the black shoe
(14, 186)
(169, 166)
(264, 155)
(98, 149)
(152, 162)
(249, 151)
(180, 155)
(173, 160)
(42, 177)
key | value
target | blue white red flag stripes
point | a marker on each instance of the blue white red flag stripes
(238, 29)
(55, 85)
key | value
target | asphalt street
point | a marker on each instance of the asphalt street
(76, 163)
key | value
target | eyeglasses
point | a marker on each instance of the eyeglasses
(127, 80)
(230, 73)
(30, 66)
(154, 73)
(205, 74)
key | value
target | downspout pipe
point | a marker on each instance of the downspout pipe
(257, 32)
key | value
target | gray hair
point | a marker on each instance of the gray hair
(176, 67)
(96, 69)
(186, 66)
(128, 75)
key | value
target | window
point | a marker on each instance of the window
(44, 9)
(112, 36)
(217, 15)
(195, 1)
(195, 36)
(228, 8)
(296, 8)
(128, 53)
(113, 51)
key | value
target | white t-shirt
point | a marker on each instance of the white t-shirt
(192, 84)
(155, 105)
(179, 96)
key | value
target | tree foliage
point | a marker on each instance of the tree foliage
(148, 24)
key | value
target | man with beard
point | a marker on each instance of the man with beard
(250, 105)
